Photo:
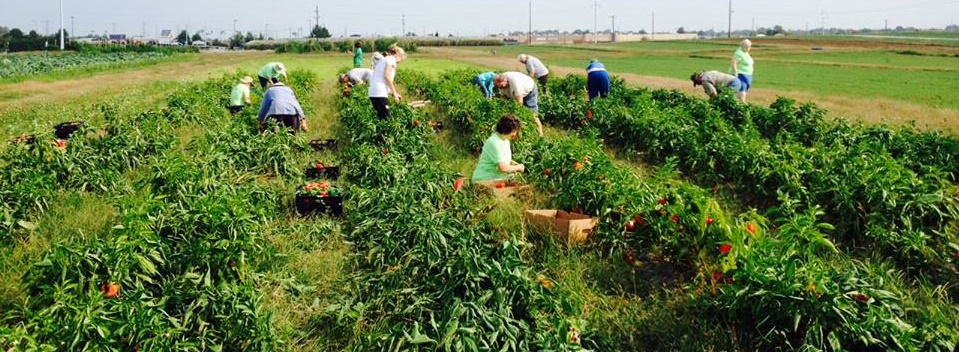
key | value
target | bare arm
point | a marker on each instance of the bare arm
(511, 168)
(735, 66)
(389, 82)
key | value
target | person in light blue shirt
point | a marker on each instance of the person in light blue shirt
(280, 104)
(485, 83)
(597, 80)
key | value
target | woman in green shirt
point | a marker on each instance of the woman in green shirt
(357, 54)
(742, 67)
(496, 160)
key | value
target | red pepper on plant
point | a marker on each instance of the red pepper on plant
(725, 248)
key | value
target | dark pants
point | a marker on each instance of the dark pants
(235, 109)
(597, 84)
(382, 107)
(291, 121)
(263, 81)
(542, 81)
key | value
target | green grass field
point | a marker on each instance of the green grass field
(914, 75)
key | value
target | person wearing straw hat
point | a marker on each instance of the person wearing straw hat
(270, 73)
(240, 96)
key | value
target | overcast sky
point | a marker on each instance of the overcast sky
(465, 17)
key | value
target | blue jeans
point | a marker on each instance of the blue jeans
(747, 82)
(531, 100)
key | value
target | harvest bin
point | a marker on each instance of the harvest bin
(323, 144)
(571, 228)
(501, 189)
(328, 172)
(65, 130)
(311, 205)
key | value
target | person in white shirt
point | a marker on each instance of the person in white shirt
(382, 85)
(356, 76)
(535, 69)
(523, 90)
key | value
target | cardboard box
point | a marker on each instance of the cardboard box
(501, 188)
(571, 228)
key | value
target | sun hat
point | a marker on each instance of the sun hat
(280, 69)
(522, 57)
(246, 80)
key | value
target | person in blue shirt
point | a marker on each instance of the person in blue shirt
(280, 104)
(485, 83)
(597, 80)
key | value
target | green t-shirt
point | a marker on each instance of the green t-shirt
(744, 62)
(495, 150)
(269, 71)
(240, 91)
(358, 57)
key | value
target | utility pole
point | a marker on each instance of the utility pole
(729, 28)
(143, 31)
(403, 20)
(754, 25)
(317, 17)
(61, 25)
(234, 26)
(612, 31)
(823, 23)
(529, 32)
(72, 31)
(653, 31)
(885, 25)
(595, 20)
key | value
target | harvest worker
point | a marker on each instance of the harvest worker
(742, 68)
(357, 53)
(535, 69)
(597, 80)
(523, 89)
(485, 83)
(710, 80)
(240, 96)
(270, 73)
(496, 159)
(280, 104)
(356, 76)
(382, 85)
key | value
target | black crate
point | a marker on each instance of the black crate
(24, 139)
(323, 144)
(65, 130)
(312, 205)
(328, 172)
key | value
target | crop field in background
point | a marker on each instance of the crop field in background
(722, 227)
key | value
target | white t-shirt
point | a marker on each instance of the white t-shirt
(378, 86)
(357, 75)
(534, 65)
(520, 85)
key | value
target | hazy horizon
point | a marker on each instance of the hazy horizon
(468, 18)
